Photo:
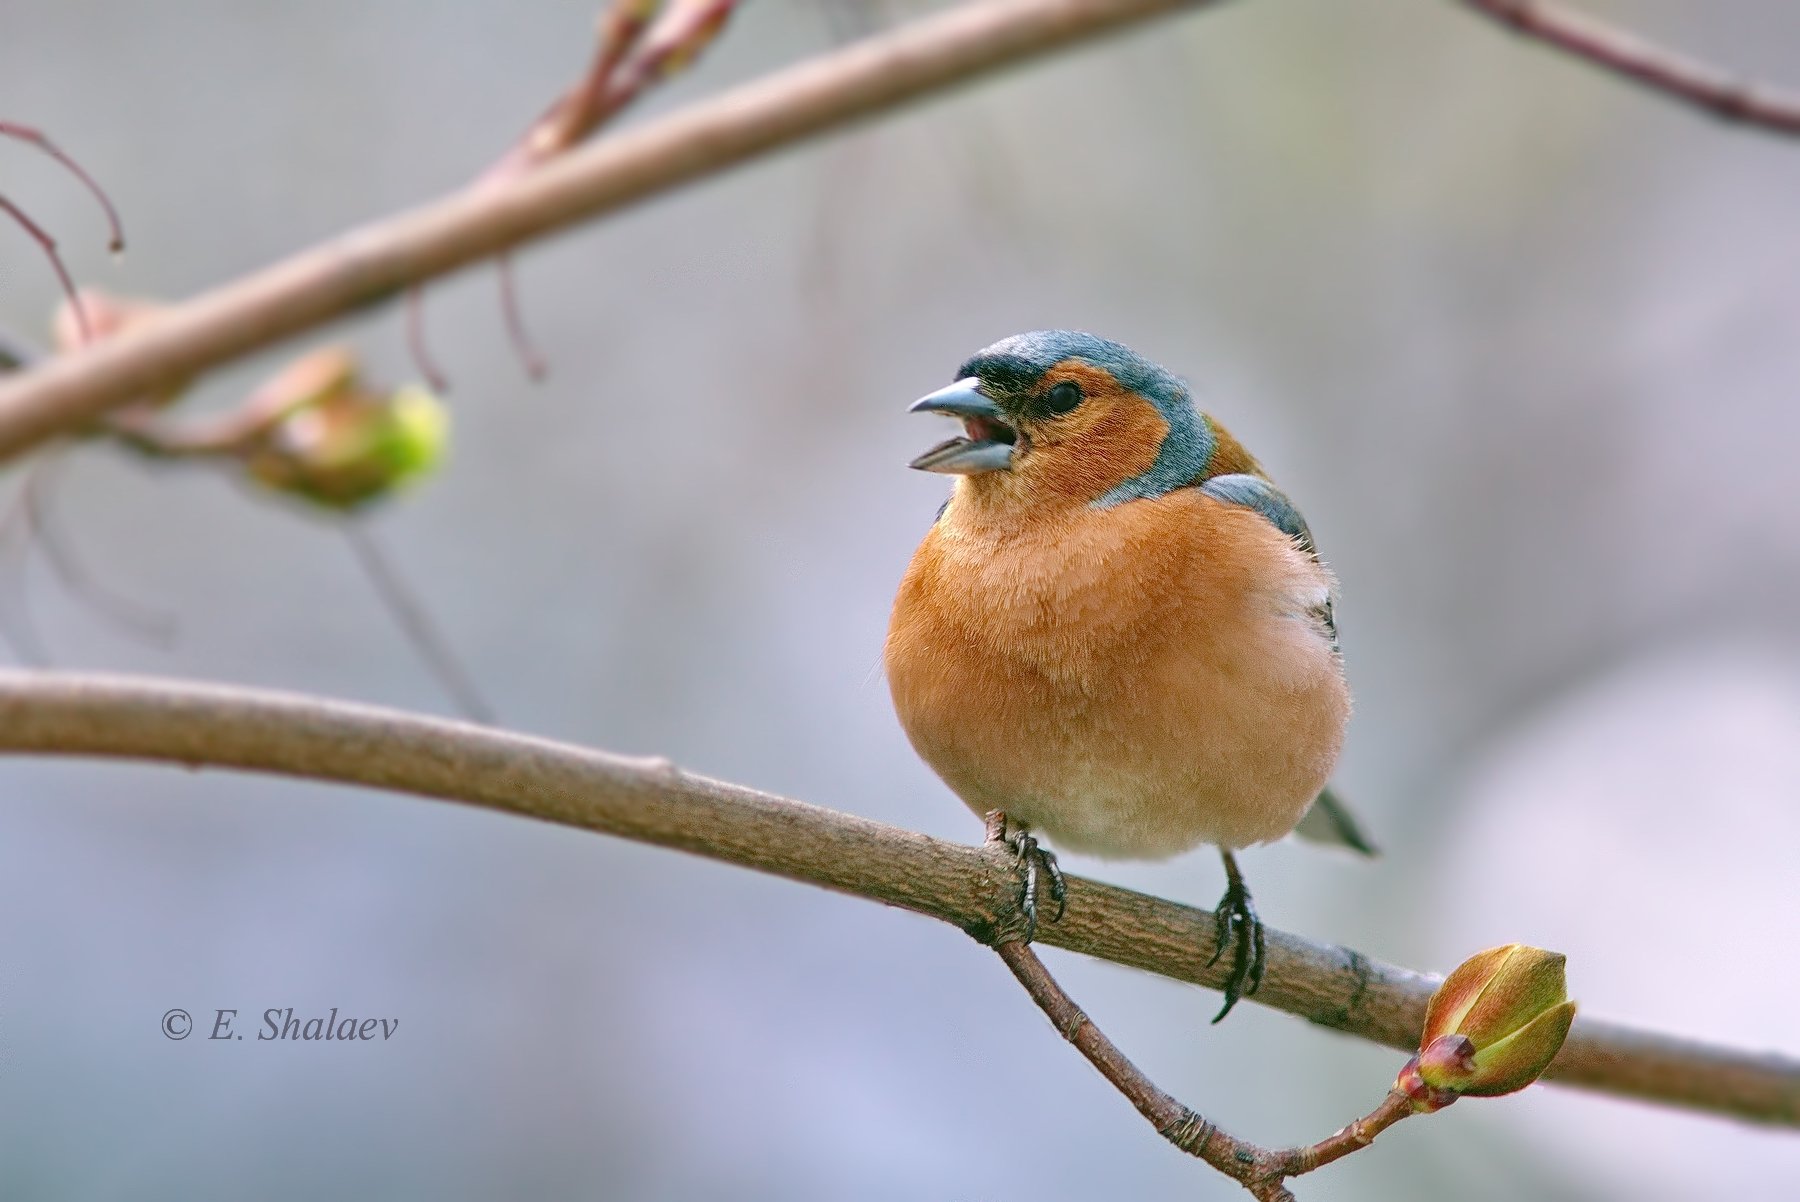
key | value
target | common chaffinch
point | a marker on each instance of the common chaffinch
(1118, 632)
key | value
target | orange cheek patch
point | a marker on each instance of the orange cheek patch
(1128, 436)
(1112, 437)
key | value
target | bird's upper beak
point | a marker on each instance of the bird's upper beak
(988, 438)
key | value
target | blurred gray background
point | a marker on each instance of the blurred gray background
(1524, 344)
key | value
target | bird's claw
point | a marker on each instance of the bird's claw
(1034, 858)
(1242, 931)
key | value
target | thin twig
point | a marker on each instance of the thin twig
(1661, 70)
(416, 624)
(1353, 1138)
(584, 107)
(416, 344)
(516, 332)
(33, 511)
(156, 626)
(687, 27)
(47, 244)
(1262, 1171)
(17, 629)
(631, 54)
(824, 93)
(971, 887)
(1185, 1128)
(229, 435)
(36, 137)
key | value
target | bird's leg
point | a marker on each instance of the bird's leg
(1242, 930)
(1032, 857)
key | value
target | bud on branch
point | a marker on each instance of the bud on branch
(1492, 1027)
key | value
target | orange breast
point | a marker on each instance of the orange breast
(1130, 682)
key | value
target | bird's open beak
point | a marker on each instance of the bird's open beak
(988, 438)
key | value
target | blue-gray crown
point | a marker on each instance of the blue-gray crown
(1016, 364)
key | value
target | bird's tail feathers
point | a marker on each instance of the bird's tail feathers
(1330, 821)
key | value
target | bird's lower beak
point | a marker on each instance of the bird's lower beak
(988, 439)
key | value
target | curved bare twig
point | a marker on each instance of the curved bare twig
(1263, 1171)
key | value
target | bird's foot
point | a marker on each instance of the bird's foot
(1242, 931)
(1033, 859)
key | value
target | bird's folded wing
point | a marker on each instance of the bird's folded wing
(1255, 492)
(1329, 820)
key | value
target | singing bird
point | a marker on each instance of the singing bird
(1118, 631)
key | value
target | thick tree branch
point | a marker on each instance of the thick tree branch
(969, 887)
(374, 262)
(1684, 79)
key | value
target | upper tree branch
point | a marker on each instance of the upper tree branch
(375, 262)
(970, 887)
(372, 263)
(1661, 70)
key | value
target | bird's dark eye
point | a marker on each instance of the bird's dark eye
(1062, 397)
